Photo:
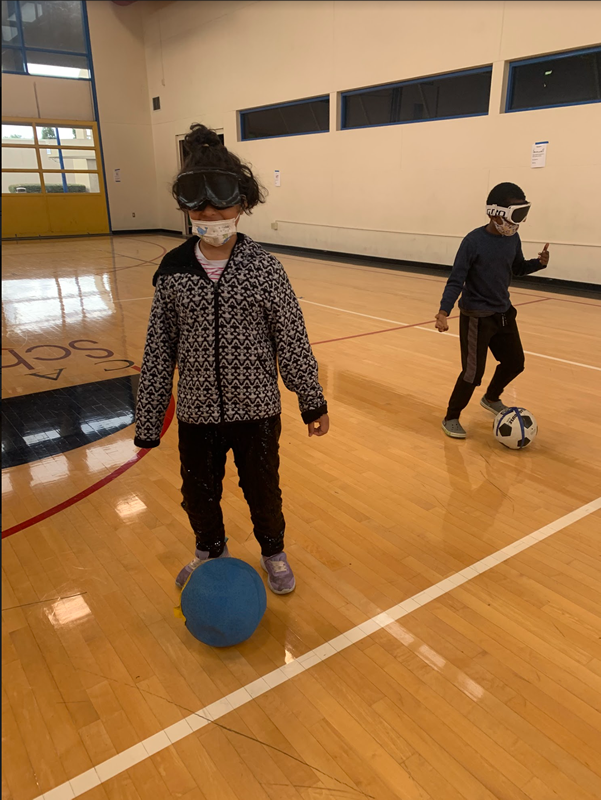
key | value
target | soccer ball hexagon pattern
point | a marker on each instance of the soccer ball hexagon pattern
(515, 428)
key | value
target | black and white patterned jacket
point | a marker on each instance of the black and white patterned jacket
(227, 339)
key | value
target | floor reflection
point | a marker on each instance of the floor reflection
(67, 612)
(34, 304)
(43, 424)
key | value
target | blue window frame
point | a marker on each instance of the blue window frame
(45, 38)
(286, 119)
(447, 96)
(562, 79)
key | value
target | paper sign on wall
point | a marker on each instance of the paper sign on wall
(539, 154)
(276, 177)
(117, 176)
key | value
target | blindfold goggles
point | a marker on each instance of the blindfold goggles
(515, 214)
(198, 188)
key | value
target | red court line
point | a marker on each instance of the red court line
(430, 278)
(413, 325)
(580, 302)
(136, 266)
(168, 419)
(50, 512)
(143, 262)
(373, 333)
(154, 244)
(117, 472)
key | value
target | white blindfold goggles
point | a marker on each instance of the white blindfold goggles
(515, 214)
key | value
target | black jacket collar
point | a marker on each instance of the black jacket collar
(183, 259)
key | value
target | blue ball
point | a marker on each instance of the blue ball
(223, 602)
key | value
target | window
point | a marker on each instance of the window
(288, 119)
(558, 80)
(21, 183)
(459, 94)
(45, 38)
(52, 158)
(78, 183)
(17, 134)
(19, 158)
(65, 158)
(65, 137)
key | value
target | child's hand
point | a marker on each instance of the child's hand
(441, 321)
(324, 426)
(543, 256)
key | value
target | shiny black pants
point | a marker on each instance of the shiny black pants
(203, 452)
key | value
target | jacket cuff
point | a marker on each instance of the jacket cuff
(146, 444)
(314, 414)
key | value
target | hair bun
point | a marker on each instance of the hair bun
(201, 136)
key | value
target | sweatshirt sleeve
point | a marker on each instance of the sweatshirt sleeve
(522, 267)
(457, 278)
(296, 361)
(158, 366)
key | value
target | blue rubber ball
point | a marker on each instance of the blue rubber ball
(223, 602)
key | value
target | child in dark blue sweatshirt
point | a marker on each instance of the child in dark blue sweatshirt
(485, 263)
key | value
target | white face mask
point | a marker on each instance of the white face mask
(505, 228)
(215, 232)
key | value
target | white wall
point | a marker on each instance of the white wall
(116, 34)
(407, 191)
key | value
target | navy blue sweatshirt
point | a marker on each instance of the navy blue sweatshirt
(482, 272)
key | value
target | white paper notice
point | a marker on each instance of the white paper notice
(117, 176)
(539, 154)
(276, 177)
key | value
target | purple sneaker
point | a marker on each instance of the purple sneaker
(201, 555)
(279, 573)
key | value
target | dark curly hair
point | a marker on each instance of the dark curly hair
(203, 148)
(502, 193)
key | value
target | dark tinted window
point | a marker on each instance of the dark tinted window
(12, 60)
(306, 116)
(55, 26)
(555, 81)
(10, 26)
(460, 94)
(44, 38)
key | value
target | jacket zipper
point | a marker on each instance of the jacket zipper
(217, 365)
(216, 312)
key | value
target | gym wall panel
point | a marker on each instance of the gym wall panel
(124, 104)
(532, 27)
(373, 40)
(407, 191)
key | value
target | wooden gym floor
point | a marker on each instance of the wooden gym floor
(484, 684)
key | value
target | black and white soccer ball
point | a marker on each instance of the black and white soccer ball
(515, 427)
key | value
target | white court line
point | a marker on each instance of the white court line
(165, 738)
(432, 330)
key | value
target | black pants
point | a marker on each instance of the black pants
(203, 452)
(476, 335)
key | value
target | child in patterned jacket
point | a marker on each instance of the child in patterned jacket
(225, 313)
